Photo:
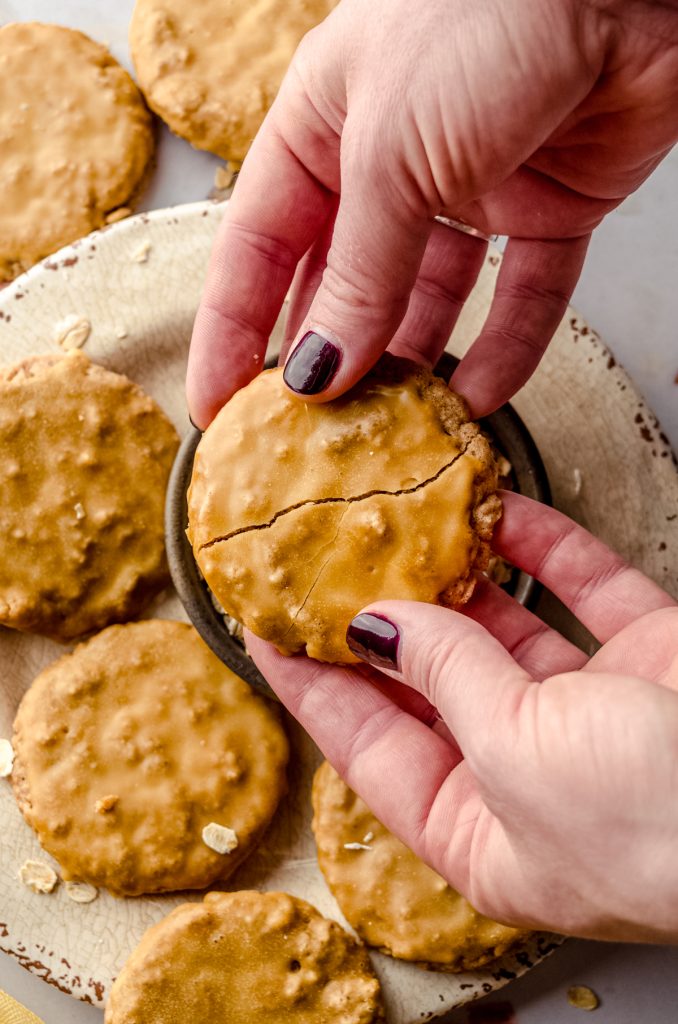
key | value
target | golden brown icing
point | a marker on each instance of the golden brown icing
(76, 140)
(393, 900)
(85, 458)
(129, 747)
(264, 958)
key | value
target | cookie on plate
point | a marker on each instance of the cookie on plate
(248, 956)
(77, 140)
(393, 900)
(300, 515)
(85, 456)
(212, 68)
(144, 764)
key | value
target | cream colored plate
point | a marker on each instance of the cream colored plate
(608, 464)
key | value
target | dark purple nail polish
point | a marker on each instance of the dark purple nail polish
(374, 639)
(312, 365)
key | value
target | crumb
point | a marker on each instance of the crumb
(81, 892)
(224, 176)
(219, 838)
(38, 876)
(582, 997)
(107, 803)
(72, 332)
(6, 758)
(115, 215)
(79, 510)
(120, 332)
(578, 480)
(140, 254)
(356, 846)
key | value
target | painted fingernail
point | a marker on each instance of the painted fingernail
(374, 639)
(312, 365)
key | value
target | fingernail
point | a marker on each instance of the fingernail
(374, 639)
(312, 365)
(194, 425)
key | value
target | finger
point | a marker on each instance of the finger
(453, 661)
(597, 585)
(377, 248)
(368, 739)
(307, 281)
(538, 649)
(449, 270)
(535, 283)
(278, 207)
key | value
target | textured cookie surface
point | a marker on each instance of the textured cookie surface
(264, 958)
(85, 456)
(393, 900)
(128, 748)
(212, 68)
(76, 140)
(300, 515)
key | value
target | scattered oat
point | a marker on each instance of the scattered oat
(79, 510)
(38, 876)
(357, 846)
(219, 838)
(120, 332)
(140, 254)
(107, 803)
(115, 215)
(583, 997)
(81, 892)
(578, 480)
(368, 837)
(72, 332)
(6, 759)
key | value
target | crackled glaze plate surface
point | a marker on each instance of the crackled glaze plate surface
(609, 467)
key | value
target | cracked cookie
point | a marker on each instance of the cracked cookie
(393, 900)
(249, 956)
(138, 749)
(77, 140)
(85, 459)
(300, 515)
(212, 68)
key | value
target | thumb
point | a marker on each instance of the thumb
(453, 662)
(374, 257)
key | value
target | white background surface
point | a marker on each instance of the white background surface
(629, 293)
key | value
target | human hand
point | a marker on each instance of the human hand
(546, 794)
(531, 120)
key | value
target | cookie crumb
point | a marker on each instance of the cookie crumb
(79, 510)
(107, 803)
(224, 176)
(219, 838)
(6, 759)
(81, 892)
(583, 997)
(72, 332)
(368, 837)
(140, 254)
(115, 215)
(38, 876)
(121, 332)
(356, 846)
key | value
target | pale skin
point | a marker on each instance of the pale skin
(546, 793)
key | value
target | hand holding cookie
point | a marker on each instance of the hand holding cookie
(385, 121)
(545, 792)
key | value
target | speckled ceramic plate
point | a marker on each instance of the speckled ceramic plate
(607, 461)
